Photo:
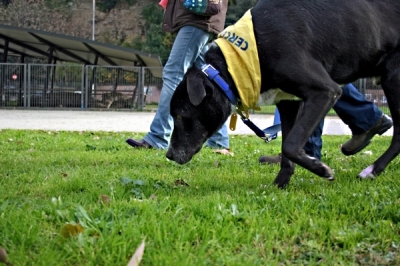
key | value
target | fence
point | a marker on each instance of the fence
(77, 86)
(105, 87)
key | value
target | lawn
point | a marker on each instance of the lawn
(87, 198)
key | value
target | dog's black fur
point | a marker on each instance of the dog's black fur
(306, 48)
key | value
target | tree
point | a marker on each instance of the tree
(106, 5)
(5, 2)
(237, 9)
(152, 39)
(42, 15)
(33, 14)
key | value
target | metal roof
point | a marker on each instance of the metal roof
(15, 41)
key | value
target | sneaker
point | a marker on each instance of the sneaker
(139, 144)
(359, 142)
(270, 159)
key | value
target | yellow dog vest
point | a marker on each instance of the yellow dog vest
(238, 45)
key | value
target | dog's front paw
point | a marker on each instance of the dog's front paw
(281, 184)
(282, 180)
(325, 171)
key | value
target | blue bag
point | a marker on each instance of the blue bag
(203, 7)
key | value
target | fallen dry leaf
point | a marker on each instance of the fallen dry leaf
(137, 257)
(104, 199)
(69, 230)
(224, 152)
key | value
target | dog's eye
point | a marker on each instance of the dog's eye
(178, 117)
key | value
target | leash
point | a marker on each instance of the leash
(267, 134)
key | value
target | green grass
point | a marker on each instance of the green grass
(215, 210)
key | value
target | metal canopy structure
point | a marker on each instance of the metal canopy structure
(15, 41)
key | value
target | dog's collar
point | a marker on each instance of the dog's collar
(213, 75)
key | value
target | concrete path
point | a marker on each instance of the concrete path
(120, 121)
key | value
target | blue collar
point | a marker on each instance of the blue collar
(213, 75)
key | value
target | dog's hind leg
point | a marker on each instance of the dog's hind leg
(391, 86)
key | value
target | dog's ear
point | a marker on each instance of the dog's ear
(196, 87)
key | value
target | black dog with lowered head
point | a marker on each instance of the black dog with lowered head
(305, 48)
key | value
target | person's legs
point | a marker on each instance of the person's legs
(356, 111)
(313, 146)
(272, 158)
(277, 117)
(187, 47)
(277, 121)
(363, 117)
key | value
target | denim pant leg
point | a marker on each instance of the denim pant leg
(186, 48)
(277, 121)
(313, 146)
(356, 111)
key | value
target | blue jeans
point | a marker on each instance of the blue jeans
(313, 147)
(189, 43)
(354, 110)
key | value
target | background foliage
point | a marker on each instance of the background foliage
(157, 42)
(73, 21)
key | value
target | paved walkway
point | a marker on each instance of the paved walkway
(119, 121)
